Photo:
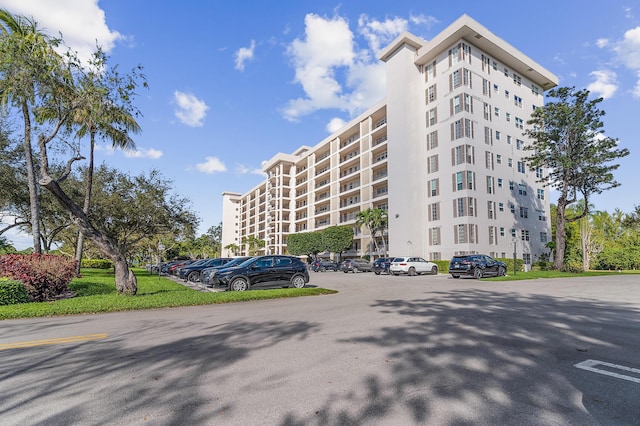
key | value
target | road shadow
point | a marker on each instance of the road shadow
(486, 357)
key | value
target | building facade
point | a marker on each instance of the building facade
(443, 154)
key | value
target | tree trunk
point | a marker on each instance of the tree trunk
(561, 233)
(31, 181)
(87, 199)
(126, 282)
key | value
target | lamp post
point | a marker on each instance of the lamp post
(515, 254)
(160, 248)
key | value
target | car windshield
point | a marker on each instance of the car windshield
(236, 261)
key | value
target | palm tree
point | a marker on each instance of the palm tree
(380, 223)
(375, 220)
(232, 248)
(103, 116)
(22, 45)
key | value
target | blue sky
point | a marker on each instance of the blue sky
(231, 83)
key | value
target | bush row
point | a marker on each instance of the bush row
(96, 263)
(45, 277)
(12, 292)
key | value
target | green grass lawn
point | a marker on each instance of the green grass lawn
(532, 275)
(96, 292)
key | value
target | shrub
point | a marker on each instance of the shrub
(44, 276)
(12, 292)
(96, 263)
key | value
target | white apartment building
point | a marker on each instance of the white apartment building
(442, 153)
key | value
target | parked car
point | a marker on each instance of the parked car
(192, 272)
(412, 265)
(206, 275)
(355, 265)
(324, 265)
(477, 266)
(381, 265)
(263, 271)
(172, 269)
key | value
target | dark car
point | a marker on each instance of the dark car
(382, 265)
(206, 275)
(477, 266)
(355, 265)
(324, 265)
(263, 271)
(192, 272)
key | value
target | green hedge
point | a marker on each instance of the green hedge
(12, 292)
(96, 263)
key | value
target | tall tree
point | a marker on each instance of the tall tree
(337, 239)
(105, 116)
(51, 85)
(28, 68)
(568, 140)
(375, 220)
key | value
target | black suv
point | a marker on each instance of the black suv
(324, 265)
(191, 272)
(477, 266)
(382, 265)
(263, 271)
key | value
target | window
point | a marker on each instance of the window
(488, 160)
(508, 116)
(517, 79)
(456, 106)
(497, 135)
(512, 185)
(470, 180)
(462, 128)
(499, 182)
(521, 166)
(543, 237)
(522, 189)
(462, 154)
(519, 123)
(461, 234)
(512, 207)
(486, 64)
(432, 117)
(519, 144)
(496, 112)
(465, 206)
(524, 212)
(510, 162)
(486, 87)
(508, 140)
(524, 235)
(517, 101)
(434, 211)
(541, 215)
(540, 194)
(433, 187)
(431, 94)
(535, 89)
(488, 136)
(432, 140)
(513, 232)
(492, 235)
(487, 111)
(501, 207)
(459, 183)
(495, 88)
(432, 165)
(431, 71)
(502, 232)
(499, 161)
(490, 185)
(539, 172)
(506, 94)
(491, 209)
(434, 237)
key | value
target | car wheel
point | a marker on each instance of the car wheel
(434, 270)
(297, 281)
(502, 271)
(239, 284)
(355, 270)
(455, 276)
(377, 273)
(412, 272)
(478, 273)
(193, 277)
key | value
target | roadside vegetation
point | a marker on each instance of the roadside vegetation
(95, 293)
(533, 275)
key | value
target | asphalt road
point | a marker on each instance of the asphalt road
(383, 351)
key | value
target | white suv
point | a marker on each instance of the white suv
(412, 266)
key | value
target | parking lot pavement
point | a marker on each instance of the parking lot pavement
(383, 350)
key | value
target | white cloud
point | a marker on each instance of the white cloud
(81, 22)
(335, 124)
(144, 153)
(421, 19)
(191, 110)
(602, 42)
(628, 52)
(333, 73)
(244, 54)
(211, 165)
(244, 170)
(605, 84)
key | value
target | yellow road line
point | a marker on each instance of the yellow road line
(59, 340)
